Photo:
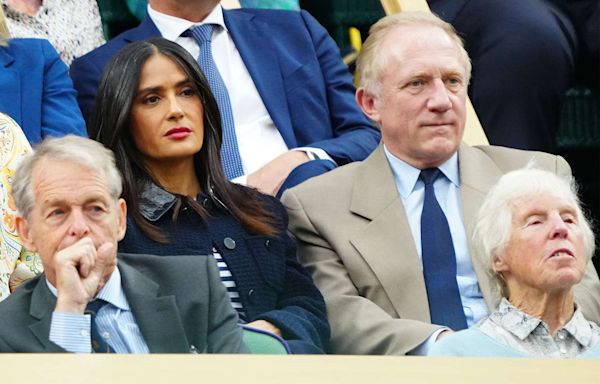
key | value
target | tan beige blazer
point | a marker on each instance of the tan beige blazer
(354, 238)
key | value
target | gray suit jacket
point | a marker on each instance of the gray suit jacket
(179, 304)
(354, 237)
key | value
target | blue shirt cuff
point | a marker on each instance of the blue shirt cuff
(424, 347)
(71, 331)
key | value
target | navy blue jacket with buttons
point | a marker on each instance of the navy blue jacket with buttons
(272, 285)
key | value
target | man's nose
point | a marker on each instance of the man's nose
(79, 226)
(439, 99)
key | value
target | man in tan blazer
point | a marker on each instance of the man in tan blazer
(358, 226)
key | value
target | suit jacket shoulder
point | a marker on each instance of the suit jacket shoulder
(509, 159)
(37, 90)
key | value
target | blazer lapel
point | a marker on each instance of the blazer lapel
(478, 173)
(10, 82)
(157, 316)
(41, 307)
(254, 43)
(386, 243)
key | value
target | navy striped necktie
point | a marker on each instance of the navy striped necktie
(99, 345)
(439, 259)
(230, 153)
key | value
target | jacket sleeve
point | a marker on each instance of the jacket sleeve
(354, 137)
(60, 112)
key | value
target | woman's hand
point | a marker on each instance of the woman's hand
(265, 326)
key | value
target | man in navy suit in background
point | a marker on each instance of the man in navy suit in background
(291, 95)
(524, 55)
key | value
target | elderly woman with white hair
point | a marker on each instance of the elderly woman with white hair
(538, 242)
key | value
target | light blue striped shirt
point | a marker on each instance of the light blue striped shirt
(115, 323)
(447, 192)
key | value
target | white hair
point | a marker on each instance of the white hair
(73, 149)
(494, 220)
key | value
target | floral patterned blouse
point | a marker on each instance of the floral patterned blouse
(16, 263)
(72, 26)
(530, 335)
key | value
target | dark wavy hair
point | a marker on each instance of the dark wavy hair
(111, 125)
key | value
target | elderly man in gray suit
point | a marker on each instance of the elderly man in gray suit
(388, 240)
(88, 299)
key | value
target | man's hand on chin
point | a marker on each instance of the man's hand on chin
(81, 270)
(269, 178)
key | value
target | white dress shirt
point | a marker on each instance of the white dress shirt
(258, 139)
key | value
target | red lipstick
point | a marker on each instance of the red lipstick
(178, 133)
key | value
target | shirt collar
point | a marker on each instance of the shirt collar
(112, 292)
(522, 324)
(514, 320)
(406, 176)
(155, 201)
(579, 328)
(172, 27)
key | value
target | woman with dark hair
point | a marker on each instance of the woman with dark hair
(155, 110)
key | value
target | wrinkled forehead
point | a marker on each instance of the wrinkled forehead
(424, 43)
(51, 174)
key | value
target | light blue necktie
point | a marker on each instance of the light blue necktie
(230, 153)
(439, 260)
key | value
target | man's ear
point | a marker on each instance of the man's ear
(25, 233)
(122, 224)
(368, 104)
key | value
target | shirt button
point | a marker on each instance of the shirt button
(562, 350)
(251, 296)
(561, 335)
(105, 335)
(84, 333)
(229, 243)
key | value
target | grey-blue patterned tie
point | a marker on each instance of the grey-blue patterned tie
(230, 153)
(99, 345)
